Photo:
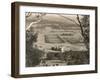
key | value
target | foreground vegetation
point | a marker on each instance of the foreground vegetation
(71, 57)
(33, 55)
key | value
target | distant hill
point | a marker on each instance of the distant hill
(55, 21)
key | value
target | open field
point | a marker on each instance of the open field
(53, 38)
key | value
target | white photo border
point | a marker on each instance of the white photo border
(71, 68)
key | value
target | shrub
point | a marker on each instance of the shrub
(33, 55)
(76, 57)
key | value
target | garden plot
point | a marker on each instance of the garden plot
(53, 38)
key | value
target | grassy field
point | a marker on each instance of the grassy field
(53, 38)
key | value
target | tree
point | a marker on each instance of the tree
(83, 23)
(33, 55)
(37, 18)
(28, 14)
(84, 26)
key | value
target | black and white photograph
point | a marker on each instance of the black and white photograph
(56, 39)
(52, 39)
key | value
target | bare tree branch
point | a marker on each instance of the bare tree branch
(39, 17)
(32, 24)
(28, 14)
(82, 32)
(80, 25)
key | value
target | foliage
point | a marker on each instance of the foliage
(70, 57)
(33, 55)
(84, 25)
(76, 57)
(56, 48)
(54, 56)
